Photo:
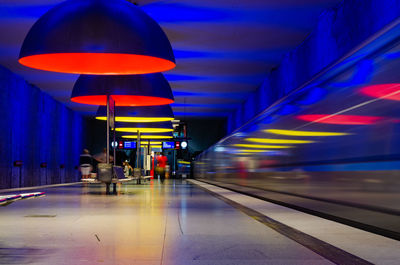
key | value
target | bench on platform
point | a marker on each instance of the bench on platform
(117, 176)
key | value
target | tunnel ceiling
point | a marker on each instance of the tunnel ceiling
(224, 48)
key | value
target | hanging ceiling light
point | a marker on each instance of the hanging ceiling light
(278, 141)
(263, 146)
(138, 114)
(126, 90)
(159, 127)
(304, 133)
(151, 146)
(253, 151)
(152, 143)
(150, 136)
(97, 37)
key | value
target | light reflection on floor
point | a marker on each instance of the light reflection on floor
(171, 223)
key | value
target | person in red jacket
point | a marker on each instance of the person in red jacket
(161, 163)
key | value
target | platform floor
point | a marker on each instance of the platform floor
(171, 223)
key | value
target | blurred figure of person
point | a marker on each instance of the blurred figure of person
(127, 169)
(161, 164)
(85, 164)
(167, 168)
(152, 167)
(160, 173)
(102, 157)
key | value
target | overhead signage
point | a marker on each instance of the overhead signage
(129, 145)
(184, 144)
(168, 145)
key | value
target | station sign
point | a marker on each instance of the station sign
(129, 145)
(168, 145)
(181, 145)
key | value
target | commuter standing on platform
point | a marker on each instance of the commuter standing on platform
(85, 164)
(161, 163)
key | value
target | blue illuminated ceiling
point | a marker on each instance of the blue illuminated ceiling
(224, 48)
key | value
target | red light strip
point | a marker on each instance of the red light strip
(97, 63)
(123, 100)
(340, 119)
(383, 91)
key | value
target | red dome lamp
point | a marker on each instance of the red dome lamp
(126, 90)
(102, 37)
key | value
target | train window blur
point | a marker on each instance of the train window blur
(350, 128)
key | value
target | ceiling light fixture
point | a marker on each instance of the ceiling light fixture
(158, 127)
(303, 133)
(263, 146)
(277, 141)
(253, 151)
(148, 136)
(126, 90)
(100, 37)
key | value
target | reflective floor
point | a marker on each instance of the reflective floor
(330, 201)
(171, 223)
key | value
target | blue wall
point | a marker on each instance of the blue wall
(339, 30)
(35, 129)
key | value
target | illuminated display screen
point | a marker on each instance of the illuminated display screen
(129, 144)
(168, 145)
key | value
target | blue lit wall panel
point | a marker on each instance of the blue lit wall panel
(62, 138)
(57, 149)
(44, 147)
(238, 117)
(36, 129)
(229, 124)
(250, 107)
(18, 100)
(50, 142)
(5, 133)
(32, 142)
(77, 132)
(68, 158)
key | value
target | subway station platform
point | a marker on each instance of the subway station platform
(176, 222)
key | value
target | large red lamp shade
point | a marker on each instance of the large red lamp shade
(126, 90)
(102, 37)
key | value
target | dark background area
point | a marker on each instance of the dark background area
(202, 133)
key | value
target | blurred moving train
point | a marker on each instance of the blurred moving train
(330, 148)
